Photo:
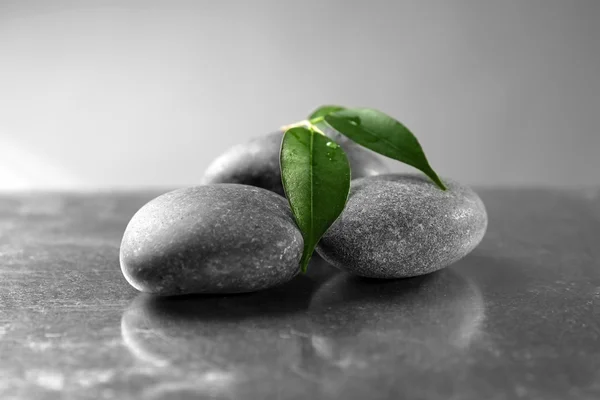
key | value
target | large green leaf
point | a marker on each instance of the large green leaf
(324, 110)
(316, 178)
(384, 135)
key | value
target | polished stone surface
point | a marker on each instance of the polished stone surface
(211, 239)
(517, 318)
(403, 225)
(256, 162)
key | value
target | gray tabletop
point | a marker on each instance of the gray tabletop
(517, 318)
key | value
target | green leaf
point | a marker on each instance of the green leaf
(384, 135)
(324, 110)
(316, 178)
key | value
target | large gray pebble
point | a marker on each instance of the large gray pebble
(399, 225)
(256, 162)
(223, 238)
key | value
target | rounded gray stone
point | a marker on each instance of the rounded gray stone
(400, 225)
(222, 238)
(256, 162)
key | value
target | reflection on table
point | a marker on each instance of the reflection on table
(321, 324)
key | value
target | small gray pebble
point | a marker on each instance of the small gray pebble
(256, 162)
(400, 225)
(222, 238)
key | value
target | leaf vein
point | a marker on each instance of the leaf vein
(311, 166)
(393, 145)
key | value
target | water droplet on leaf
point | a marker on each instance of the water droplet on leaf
(333, 145)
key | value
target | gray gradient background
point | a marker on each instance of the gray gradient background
(116, 94)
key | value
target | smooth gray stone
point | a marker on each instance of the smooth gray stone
(399, 225)
(256, 162)
(222, 238)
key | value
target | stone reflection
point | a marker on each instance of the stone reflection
(414, 324)
(218, 346)
(325, 334)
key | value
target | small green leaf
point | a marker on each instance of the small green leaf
(384, 135)
(324, 110)
(316, 178)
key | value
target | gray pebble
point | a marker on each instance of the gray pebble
(399, 225)
(222, 238)
(256, 162)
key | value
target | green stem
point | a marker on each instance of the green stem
(310, 124)
(315, 121)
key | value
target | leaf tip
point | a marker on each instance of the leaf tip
(304, 263)
(434, 177)
(441, 184)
